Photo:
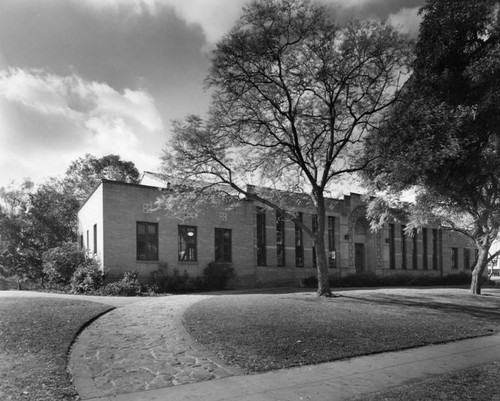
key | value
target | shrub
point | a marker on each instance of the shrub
(160, 279)
(127, 286)
(61, 262)
(87, 278)
(217, 275)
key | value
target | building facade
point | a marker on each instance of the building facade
(117, 226)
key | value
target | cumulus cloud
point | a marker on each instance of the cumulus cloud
(214, 17)
(406, 20)
(48, 120)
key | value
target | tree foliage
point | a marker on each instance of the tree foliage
(37, 218)
(294, 94)
(84, 173)
(443, 137)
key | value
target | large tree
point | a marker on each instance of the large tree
(37, 218)
(84, 173)
(294, 94)
(443, 140)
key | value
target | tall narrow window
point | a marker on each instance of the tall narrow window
(403, 247)
(314, 226)
(332, 257)
(280, 238)
(454, 258)
(434, 249)
(261, 237)
(466, 259)
(424, 249)
(88, 240)
(147, 241)
(414, 252)
(392, 246)
(299, 244)
(187, 249)
(223, 245)
(95, 238)
(82, 245)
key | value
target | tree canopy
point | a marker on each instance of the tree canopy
(294, 93)
(84, 173)
(443, 139)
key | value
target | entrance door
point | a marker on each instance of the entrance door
(359, 257)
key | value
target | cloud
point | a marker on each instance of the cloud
(46, 121)
(406, 20)
(214, 17)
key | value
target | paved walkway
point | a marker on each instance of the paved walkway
(341, 380)
(139, 347)
(141, 351)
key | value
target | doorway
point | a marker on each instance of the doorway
(359, 257)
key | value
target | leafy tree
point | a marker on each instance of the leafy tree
(19, 251)
(443, 139)
(294, 94)
(85, 173)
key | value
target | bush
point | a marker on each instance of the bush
(87, 278)
(217, 276)
(61, 262)
(127, 286)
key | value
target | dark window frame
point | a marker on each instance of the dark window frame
(261, 237)
(425, 251)
(95, 239)
(280, 239)
(392, 246)
(299, 242)
(454, 258)
(314, 227)
(189, 242)
(332, 255)
(150, 241)
(223, 252)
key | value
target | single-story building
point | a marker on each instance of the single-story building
(117, 225)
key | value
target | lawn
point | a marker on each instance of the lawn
(35, 338)
(479, 383)
(262, 332)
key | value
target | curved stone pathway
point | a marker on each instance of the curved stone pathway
(142, 346)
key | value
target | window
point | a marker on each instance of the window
(88, 240)
(466, 259)
(414, 253)
(331, 242)
(392, 243)
(147, 241)
(187, 243)
(95, 238)
(454, 258)
(424, 248)
(280, 238)
(261, 237)
(299, 244)
(81, 242)
(403, 247)
(434, 249)
(223, 245)
(314, 226)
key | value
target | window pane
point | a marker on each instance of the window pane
(147, 241)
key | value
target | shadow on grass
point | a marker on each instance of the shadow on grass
(479, 307)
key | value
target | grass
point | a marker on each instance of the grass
(479, 383)
(35, 338)
(262, 332)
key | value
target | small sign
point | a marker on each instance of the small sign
(223, 216)
(147, 208)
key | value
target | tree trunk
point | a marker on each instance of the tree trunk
(321, 260)
(477, 272)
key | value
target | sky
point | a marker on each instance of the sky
(109, 76)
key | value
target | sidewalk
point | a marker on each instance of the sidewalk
(334, 381)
